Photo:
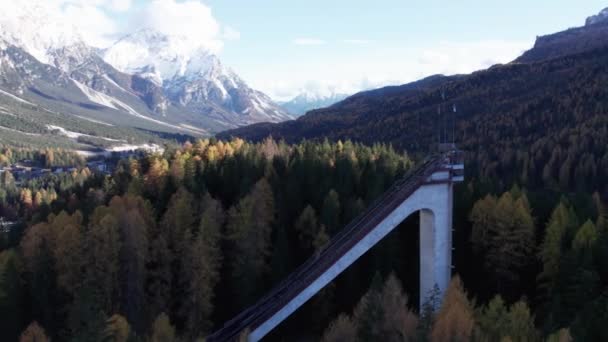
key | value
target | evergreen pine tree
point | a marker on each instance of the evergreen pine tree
(201, 267)
(330, 214)
(553, 242)
(11, 296)
(249, 231)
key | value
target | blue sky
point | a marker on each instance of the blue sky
(284, 47)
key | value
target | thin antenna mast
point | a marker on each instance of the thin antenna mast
(454, 124)
(445, 128)
(418, 128)
(439, 127)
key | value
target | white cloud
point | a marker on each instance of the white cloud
(44, 23)
(120, 5)
(93, 23)
(111, 5)
(309, 41)
(101, 22)
(190, 19)
(356, 41)
(92, 18)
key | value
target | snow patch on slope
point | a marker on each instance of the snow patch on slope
(108, 101)
(94, 121)
(95, 96)
(64, 131)
(127, 147)
(195, 129)
(154, 148)
(107, 78)
(76, 135)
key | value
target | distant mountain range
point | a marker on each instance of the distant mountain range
(152, 83)
(307, 101)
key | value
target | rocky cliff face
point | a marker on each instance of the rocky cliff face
(598, 18)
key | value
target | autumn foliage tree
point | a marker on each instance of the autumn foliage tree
(455, 320)
(34, 333)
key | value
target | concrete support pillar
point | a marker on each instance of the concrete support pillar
(436, 247)
(427, 255)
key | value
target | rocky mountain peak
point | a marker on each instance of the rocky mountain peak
(600, 17)
(160, 57)
(191, 75)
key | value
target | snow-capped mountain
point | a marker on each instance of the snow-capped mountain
(192, 76)
(307, 101)
(157, 56)
(146, 80)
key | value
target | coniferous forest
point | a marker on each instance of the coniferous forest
(170, 246)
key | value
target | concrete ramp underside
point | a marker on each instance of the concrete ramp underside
(427, 189)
